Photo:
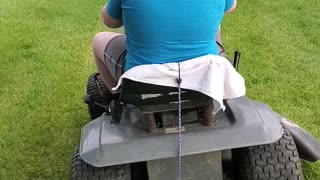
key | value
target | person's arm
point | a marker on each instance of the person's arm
(112, 14)
(230, 6)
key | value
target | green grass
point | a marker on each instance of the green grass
(46, 57)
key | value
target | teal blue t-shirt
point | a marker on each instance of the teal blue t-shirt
(163, 31)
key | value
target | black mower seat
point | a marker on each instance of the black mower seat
(156, 98)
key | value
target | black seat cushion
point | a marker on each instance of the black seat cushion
(156, 98)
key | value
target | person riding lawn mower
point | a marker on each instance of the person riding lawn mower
(165, 105)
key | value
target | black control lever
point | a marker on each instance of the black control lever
(89, 99)
(236, 60)
(116, 111)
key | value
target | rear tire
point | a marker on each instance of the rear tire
(277, 161)
(98, 89)
(80, 170)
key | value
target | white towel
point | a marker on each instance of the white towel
(211, 75)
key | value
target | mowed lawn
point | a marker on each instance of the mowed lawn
(46, 58)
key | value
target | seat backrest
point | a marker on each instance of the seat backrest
(156, 98)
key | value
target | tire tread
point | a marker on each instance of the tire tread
(277, 161)
(95, 111)
(80, 170)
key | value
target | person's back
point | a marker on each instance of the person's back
(163, 31)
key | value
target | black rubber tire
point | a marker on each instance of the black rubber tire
(80, 170)
(139, 171)
(277, 161)
(94, 110)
